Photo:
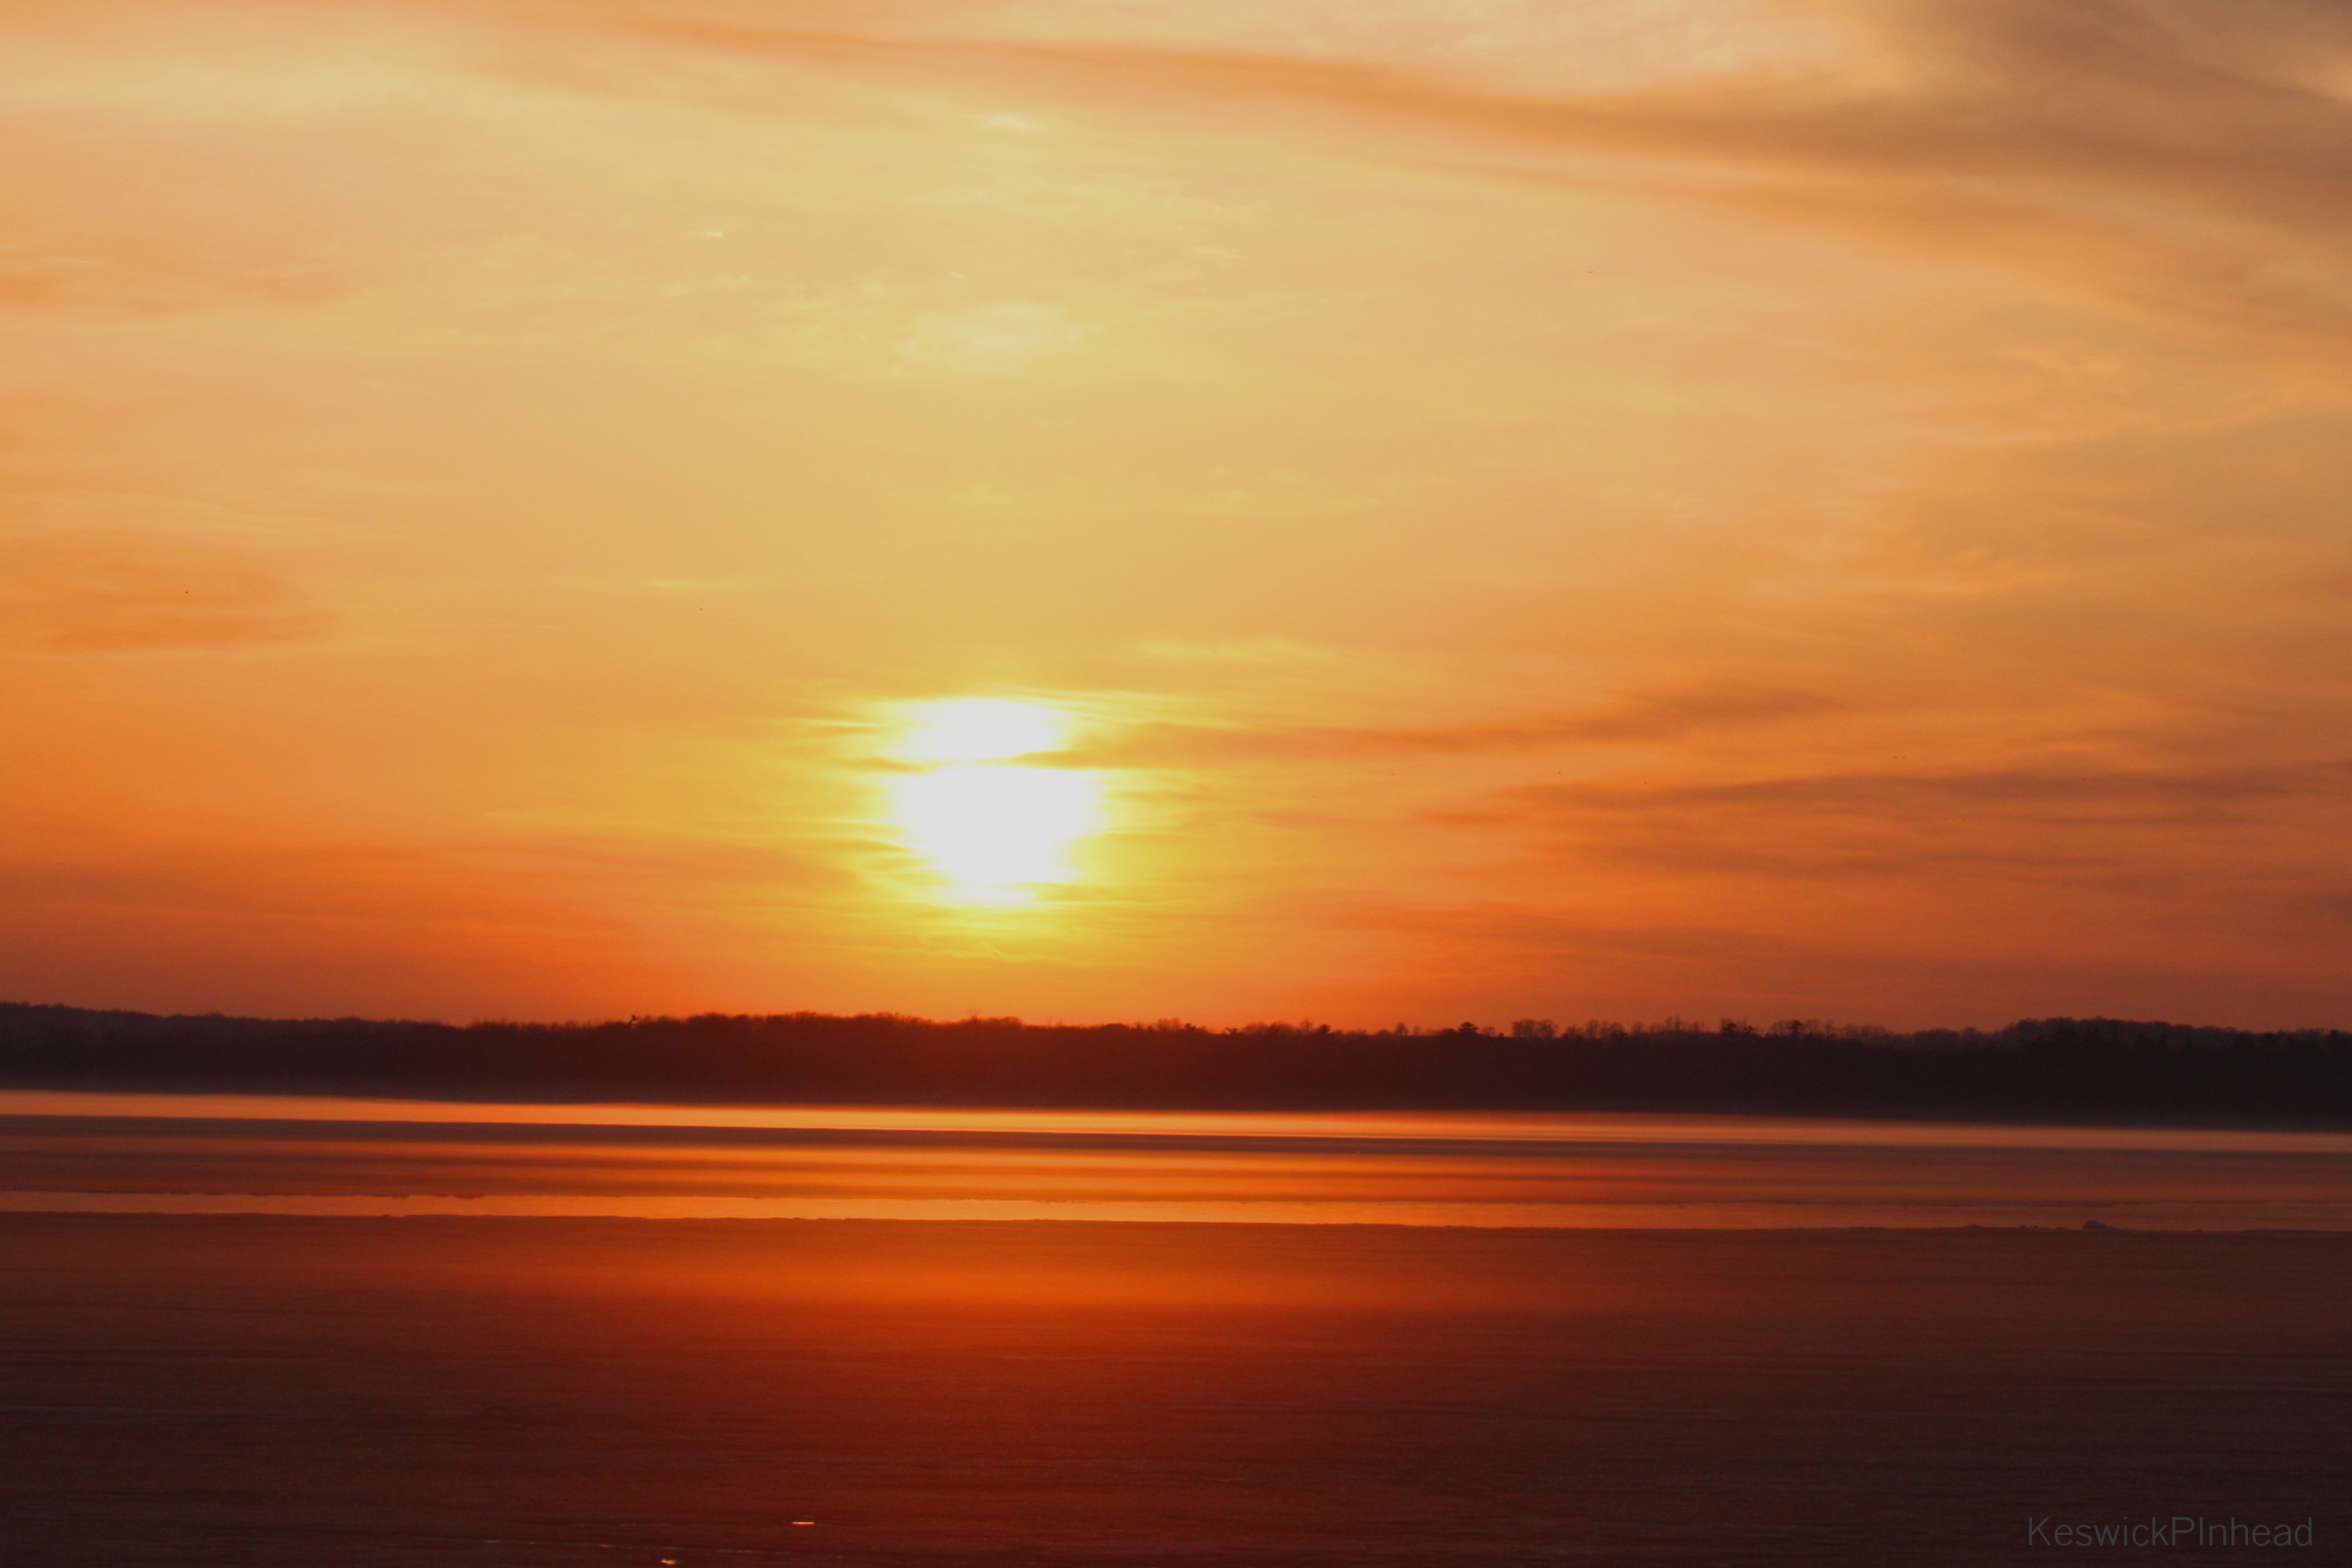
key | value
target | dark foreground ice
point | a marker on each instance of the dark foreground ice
(310, 1391)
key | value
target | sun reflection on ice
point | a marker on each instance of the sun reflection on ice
(993, 829)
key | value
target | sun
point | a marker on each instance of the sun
(992, 829)
(982, 729)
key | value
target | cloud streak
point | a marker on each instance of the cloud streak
(2108, 796)
(1665, 715)
(2181, 158)
(89, 592)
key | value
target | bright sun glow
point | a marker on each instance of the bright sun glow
(982, 729)
(993, 831)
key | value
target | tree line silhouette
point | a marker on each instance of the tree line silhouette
(2098, 1070)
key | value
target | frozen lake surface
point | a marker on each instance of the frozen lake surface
(287, 1155)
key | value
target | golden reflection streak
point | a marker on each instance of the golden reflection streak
(1563, 1126)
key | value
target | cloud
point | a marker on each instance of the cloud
(158, 277)
(89, 591)
(998, 340)
(2199, 840)
(1675, 712)
(128, 919)
(1250, 651)
(2151, 797)
(2182, 156)
(131, 192)
(1972, 973)
(1663, 714)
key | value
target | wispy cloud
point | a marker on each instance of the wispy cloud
(2229, 845)
(2187, 157)
(1971, 967)
(990, 338)
(2183, 798)
(1669, 713)
(84, 592)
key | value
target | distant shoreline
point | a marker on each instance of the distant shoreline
(2056, 1071)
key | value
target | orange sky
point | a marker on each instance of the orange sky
(1488, 507)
